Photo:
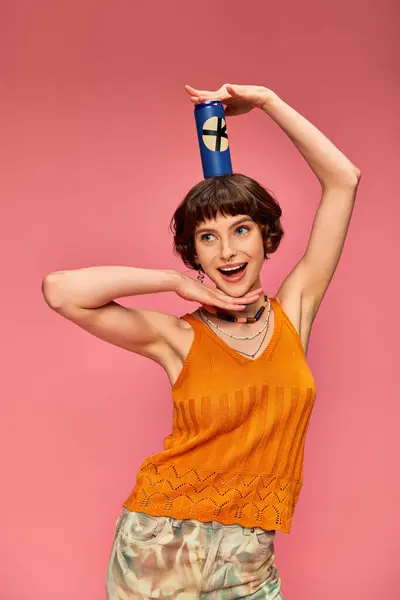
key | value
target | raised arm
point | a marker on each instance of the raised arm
(339, 180)
(87, 298)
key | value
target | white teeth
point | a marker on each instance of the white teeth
(233, 268)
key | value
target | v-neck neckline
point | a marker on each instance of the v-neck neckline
(234, 353)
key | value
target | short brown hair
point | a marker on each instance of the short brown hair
(234, 194)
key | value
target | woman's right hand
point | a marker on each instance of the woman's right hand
(190, 289)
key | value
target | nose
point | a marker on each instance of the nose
(227, 252)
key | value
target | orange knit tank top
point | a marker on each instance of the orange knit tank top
(235, 454)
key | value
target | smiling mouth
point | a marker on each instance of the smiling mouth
(233, 271)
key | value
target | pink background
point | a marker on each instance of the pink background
(98, 147)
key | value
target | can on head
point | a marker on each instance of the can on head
(213, 138)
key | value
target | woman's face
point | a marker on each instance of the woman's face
(226, 241)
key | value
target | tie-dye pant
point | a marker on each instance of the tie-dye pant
(185, 559)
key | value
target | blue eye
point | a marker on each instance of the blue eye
(208, 234)
(242, 227)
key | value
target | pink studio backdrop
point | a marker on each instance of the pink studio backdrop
(98, 147)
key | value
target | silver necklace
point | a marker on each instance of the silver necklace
(235, 337)
(253, 355)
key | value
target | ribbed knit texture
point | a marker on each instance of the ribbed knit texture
(235, 454)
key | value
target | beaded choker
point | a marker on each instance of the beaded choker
(227, 317)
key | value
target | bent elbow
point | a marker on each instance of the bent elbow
(51, 290)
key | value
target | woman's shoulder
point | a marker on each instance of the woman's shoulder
(186, 320)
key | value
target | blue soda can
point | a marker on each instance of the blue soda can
(213, 138)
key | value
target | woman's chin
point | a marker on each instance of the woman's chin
(236, 290)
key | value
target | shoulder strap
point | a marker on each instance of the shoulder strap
(192, 320)
(196, 324)
(287, 321)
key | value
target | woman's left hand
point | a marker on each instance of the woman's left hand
(238, 99)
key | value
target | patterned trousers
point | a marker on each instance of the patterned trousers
(185, 559)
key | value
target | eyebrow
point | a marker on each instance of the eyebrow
(207, 229)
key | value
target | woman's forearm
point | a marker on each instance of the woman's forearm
(328, 163)
(92, 287)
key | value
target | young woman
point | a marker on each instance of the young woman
(202, 517)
